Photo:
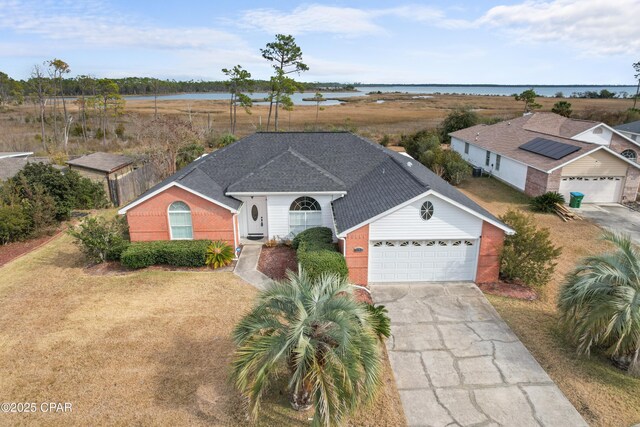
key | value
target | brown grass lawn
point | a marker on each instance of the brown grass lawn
(143, 348)
(604, 395)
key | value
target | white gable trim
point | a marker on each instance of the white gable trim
(606, 126)
(173, 184)
(498, 224)
(602, 147)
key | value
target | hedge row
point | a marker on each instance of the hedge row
(317, 254)
(179, 253)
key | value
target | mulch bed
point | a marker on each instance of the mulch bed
(274, 262)
(509, 290)
(13, 250)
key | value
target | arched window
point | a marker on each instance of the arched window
(304, 213)
(180, 227)
(630, 154)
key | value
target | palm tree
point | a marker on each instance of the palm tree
(317, 331)
(600, 302)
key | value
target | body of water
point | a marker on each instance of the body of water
(411, 89)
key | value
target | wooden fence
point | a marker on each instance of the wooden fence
(125, 188)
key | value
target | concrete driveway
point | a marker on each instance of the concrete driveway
(613, 217)
(457, 363)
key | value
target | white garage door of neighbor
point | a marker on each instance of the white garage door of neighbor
(422, 260)
(596, 189)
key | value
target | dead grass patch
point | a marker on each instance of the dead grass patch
(604, 395)
(144, 348)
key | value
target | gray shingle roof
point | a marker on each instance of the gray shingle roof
(288, 171)
(104, 162)
(633, 127)
(376, 179)
(10, 166)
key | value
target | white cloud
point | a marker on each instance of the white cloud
(91, 24)
(345, 21)
(602, 27)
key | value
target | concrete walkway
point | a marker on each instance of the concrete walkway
(456, 363)
(247, 267)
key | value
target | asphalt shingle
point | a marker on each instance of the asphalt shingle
(376, 179)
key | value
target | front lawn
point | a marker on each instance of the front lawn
(139, 348)
(604, 395)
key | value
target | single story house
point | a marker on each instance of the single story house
(630, 130)
(104, 168)
(541, 152)
(15, 154)
(12, 163)
(394, 219)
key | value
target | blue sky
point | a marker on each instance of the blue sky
(502, 42)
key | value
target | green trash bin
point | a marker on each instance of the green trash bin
(575, 200)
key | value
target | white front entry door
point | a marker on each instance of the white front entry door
(257, 215)
(596, 189)
(422, 260)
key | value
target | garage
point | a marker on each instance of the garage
(596, 189)
(422, 260)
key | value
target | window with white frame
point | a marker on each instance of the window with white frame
(466, 148)
(498, 158)
(304, 213)
(180, 221)
(487, 158)
(630, 154)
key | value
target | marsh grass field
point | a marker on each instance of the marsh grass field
(371, 116)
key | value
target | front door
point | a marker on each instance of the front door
(257, 216)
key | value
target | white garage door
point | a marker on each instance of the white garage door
(422, 260)
(596, 189)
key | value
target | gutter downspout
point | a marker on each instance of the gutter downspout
(234, 221)
(344, 246)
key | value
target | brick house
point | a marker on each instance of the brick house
(394, 220)
(542, 152)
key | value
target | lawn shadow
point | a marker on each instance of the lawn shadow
(488, 189)
(194, 374)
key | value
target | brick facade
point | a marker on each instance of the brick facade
(539, 182)
(358, 262)
(149, 220)
(619, 144)
(536, 183)
(630, 190)
(489, 257)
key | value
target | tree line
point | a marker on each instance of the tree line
(15, 91)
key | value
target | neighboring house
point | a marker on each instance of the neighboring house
(105, 168)
(393, 218)
(543, 152)
(630, 130)
(15, 154)
(12, 163)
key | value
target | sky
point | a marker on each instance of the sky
(442, 41)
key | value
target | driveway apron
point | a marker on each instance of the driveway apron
(456, 363)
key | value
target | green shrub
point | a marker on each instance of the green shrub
(546, 202)
(101, 239)
(460, 118)
(69, 190)
(219, 254)
(178, 253)
(316, 245)
(315, 235)
(14, 223)
(188, 153)
(527, 256)
(315, 263)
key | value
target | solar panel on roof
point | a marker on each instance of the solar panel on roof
(545, 147)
